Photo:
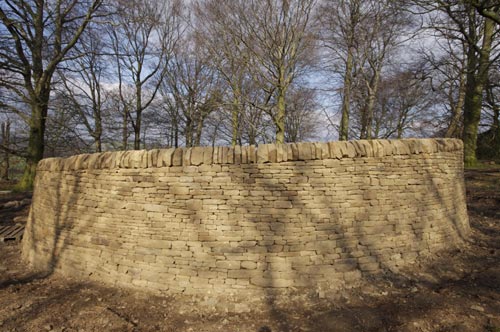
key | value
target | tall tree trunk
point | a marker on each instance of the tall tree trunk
(373, 90)
(376, 129)
(279, 119)
(36, 143)
(252, 137)
(176, 133)
(453, 129)
(495, 125)
(39, 106)
(235, 129)
(97, 112)
(4, 171)
(199, 130)
(137, 131)
(235, 117)
(125, 129)
(138, 119)
(346, 98)
(188, 133)
(495, 128)
(476, 80)
(401, 124)
(98, 134)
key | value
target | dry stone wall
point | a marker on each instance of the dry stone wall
(222, 219)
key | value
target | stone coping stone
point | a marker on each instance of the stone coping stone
(263, 153)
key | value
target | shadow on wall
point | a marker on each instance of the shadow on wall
(42, 246)
(300, 231)
(46, 245)
(315, 222)
(303, 234)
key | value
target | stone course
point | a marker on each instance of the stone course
(229, 220)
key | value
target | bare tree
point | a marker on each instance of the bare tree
(278, 39)
(386, 27)
(83, 85)
(447, 74)
(215, 31)
(405, 100)
(341, 23)
(477, 76)
(38, 37)
(64, 134)
(477, 30)
(488, 8)
(191, 88)
(359, 37)
(489, 140)
(302, 119)
(144, 37)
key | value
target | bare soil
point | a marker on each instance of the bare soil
(458, 290)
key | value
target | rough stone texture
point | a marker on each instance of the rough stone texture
(199, 220)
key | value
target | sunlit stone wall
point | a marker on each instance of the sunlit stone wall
(230, 219)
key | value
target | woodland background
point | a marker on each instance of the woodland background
(101, 75)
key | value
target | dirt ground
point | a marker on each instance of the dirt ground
(459, 290)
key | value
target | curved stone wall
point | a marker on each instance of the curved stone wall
(246, 218)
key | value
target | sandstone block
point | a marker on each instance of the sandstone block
(217, 155)
(289, 152)
(370, 195)
(252, 154)
(69, 163)
(152, 158)
(106, 160)
(270, 282)
(280, 153)
(208, 153)
(177, 157)
(428, 146)
(369, 267)
(116, 159)
(243, 274)
(295, 152)
(228, 265)
(159, 244)
(81, 162)
(237, 155)
(377, 148)
(347, 149)
(387, 146)
(273, 153)
(93, 161)
(248, 265)
(229, 153)
(335, 151)
(136, 159)
(305, 151)
(325, 150)
(400, 147)
(263, 153)
(186, 157)
(244, 155)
